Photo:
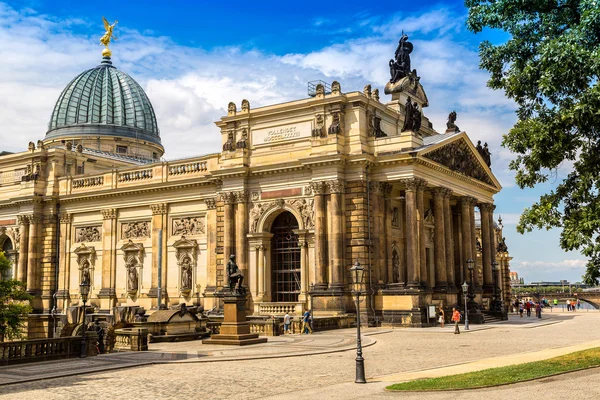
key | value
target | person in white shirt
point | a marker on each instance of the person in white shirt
(286, 324)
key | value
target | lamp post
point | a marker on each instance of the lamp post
(465, 288)
(470, 267)
(84, 289)
(358, 273)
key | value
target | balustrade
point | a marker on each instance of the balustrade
(88, 182)
(190, 168)
(135, 175)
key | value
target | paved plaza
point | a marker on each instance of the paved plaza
(321, 366)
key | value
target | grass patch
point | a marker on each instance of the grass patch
(505, 375)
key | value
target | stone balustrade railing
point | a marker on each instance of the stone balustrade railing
(88, 182)
(189, 168)
(143, 175)
(135, 175)
(279, 308)
(45, 349)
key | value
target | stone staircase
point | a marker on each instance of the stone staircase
(491, 318)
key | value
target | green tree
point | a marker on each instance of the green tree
(550, 66)
(14, 302)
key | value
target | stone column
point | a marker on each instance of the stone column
(228, 222)
(303, 244)
(485, 210)
(159, 212)
(23, 248)
(109, 252)
(473, 203)
(465, 214)
(64, 272)
(379, 268)
(459, 260)
(412, 234)
(33, 250)
(261, 272)
(387, 234)
(493, 243)
(318, 189)
(423, 267)
(449, 241)
(439, 239)
(337, 189)
(241, 228)
(211, 232)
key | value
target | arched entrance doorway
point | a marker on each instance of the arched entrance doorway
(285, 259)
(8, 249)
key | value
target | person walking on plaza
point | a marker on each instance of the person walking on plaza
(578, 304)
(286, 324)
(521, 309)
(568, 305)
(306, 323)
(555, 303)
(528, 308)
(441, 318)
(456, 320)
(538, 310)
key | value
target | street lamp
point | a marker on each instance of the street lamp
(465, 288)
(470, 267)
(358, 273)
(84, 289)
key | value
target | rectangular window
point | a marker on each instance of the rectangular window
(155, 156)
(122, 149)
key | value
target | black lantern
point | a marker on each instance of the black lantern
(471, 267)
(465, 288)
(84, 289)
(358, 274)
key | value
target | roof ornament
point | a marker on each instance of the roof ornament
(108, 35)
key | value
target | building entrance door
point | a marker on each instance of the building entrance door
(285, 259)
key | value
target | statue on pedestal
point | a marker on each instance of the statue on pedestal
(400, 67)
(235, 277)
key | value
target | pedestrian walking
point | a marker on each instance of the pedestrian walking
(100, 332)
(456, 319)
(441, 315)
(528, 308)
(568, 305)
(555, 302)
(521, 309)
(578, 304)
(306, 323)
(538, 310)
(286, 324)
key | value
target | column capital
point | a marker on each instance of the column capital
(211, 203)
(438, 191)
(414, 184)
(109, 213)
(468, 200)
(34, 219)
(318, 187)
(23, 219)
(336, 186)
(66, 218)
(228, 197)
(159, 209)
(241, 196)
(486, 207)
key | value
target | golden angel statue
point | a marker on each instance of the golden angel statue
(105, 39)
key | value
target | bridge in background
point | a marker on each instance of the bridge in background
(592, 298)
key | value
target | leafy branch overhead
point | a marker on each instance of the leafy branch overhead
(550, 66)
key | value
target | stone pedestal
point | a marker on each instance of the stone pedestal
(235, 330)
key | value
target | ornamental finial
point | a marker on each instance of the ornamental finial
(108, 35)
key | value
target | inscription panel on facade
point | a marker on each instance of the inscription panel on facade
(281, 133)
(188, 226)
(135, 230)
(88, 234)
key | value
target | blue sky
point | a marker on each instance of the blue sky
(194, 57)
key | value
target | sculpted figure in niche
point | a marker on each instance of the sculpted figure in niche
(395, 217)
(234, 276)
(335, 128)
(395, 267)
(85, 272)
(186, 273)
(255, 214)
(132, 276)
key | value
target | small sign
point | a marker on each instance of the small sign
(431, 311)
(281, 133)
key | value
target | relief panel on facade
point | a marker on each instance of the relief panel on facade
(88, 234)
(188, 226)
(135, 230)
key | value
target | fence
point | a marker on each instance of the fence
(45, 349)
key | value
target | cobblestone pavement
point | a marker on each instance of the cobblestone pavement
(331, 375)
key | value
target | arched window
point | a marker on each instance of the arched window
(285, 259)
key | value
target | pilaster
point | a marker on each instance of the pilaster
(441, 281)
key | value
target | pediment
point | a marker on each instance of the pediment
(460, 156)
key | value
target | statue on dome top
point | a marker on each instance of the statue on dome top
(108, 35)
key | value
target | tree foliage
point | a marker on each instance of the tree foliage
(14, 302)
(550, 66)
